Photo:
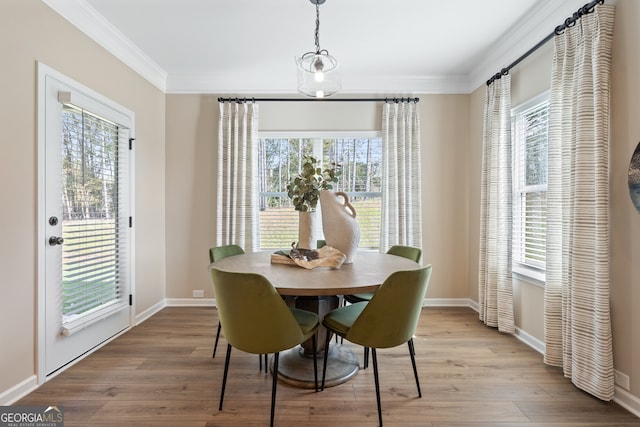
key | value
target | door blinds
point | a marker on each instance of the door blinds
(95, 217)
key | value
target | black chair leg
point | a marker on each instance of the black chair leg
(215, 346)
(412, 352)
(266, 365)
(366, 357)
(224, 376)
(377, 381)
(326, 356)
(276, 357)
(314, 340)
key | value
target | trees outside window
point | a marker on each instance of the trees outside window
(280, 160)
(530, 135)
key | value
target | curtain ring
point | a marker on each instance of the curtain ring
(570, 22)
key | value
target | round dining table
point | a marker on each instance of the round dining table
(318, 290)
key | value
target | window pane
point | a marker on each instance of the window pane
(536, 146)
(361, 164)
(530, 129)
(90, 224)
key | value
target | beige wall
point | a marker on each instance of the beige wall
(29, 32)
(532, 77)
(625, 220)
(191, 132)
(175, 154)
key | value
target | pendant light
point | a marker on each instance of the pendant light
(318, 72)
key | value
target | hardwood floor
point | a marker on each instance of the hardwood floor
(161, 374)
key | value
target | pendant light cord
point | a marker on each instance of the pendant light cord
(317, 33)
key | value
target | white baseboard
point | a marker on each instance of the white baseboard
(150, 312)
(211, 302)
(627, 400)
(18, 391)
(448, 302)
(191, 302)
(530, 340)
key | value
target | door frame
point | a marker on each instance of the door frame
(44, 72)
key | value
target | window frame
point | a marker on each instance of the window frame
(531, 273)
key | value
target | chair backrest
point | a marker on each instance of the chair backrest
(219, 252)
(409, 252)
(254, 317)
(391, 317)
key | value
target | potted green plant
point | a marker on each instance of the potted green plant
(304, 192)
(304, 189)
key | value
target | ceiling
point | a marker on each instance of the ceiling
(248, 46)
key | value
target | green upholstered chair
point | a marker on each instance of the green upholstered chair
(255, 319)
(387, 320)
(408, 252)
(216, 254)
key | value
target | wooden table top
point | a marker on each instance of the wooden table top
(365, 274)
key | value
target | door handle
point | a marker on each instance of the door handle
(53, 240)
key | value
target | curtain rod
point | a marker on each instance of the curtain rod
(395, 100)
(569, 22)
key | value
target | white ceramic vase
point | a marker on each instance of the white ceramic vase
(308, 230)
(339, 224)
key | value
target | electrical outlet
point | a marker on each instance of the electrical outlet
(198, 293)
(621, 380)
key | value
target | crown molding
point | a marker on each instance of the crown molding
(521, 37)
(238, 84)
(84, 17)
(541, 21)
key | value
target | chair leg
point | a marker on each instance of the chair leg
(326, 356)
(412, 352)
(366, 357)
(224, 376)
(266, 365)
(314, 340)
(377, 381)
(413, 348)
(276, 357)
(215, 346)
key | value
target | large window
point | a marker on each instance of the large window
(360, 157)
(530, 131)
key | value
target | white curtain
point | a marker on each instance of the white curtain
(401, 199)
(577, 315)
(495, 283)
(237, 180)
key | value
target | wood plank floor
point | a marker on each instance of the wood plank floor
(161, 374)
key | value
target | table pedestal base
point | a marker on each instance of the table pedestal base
(296, 368)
